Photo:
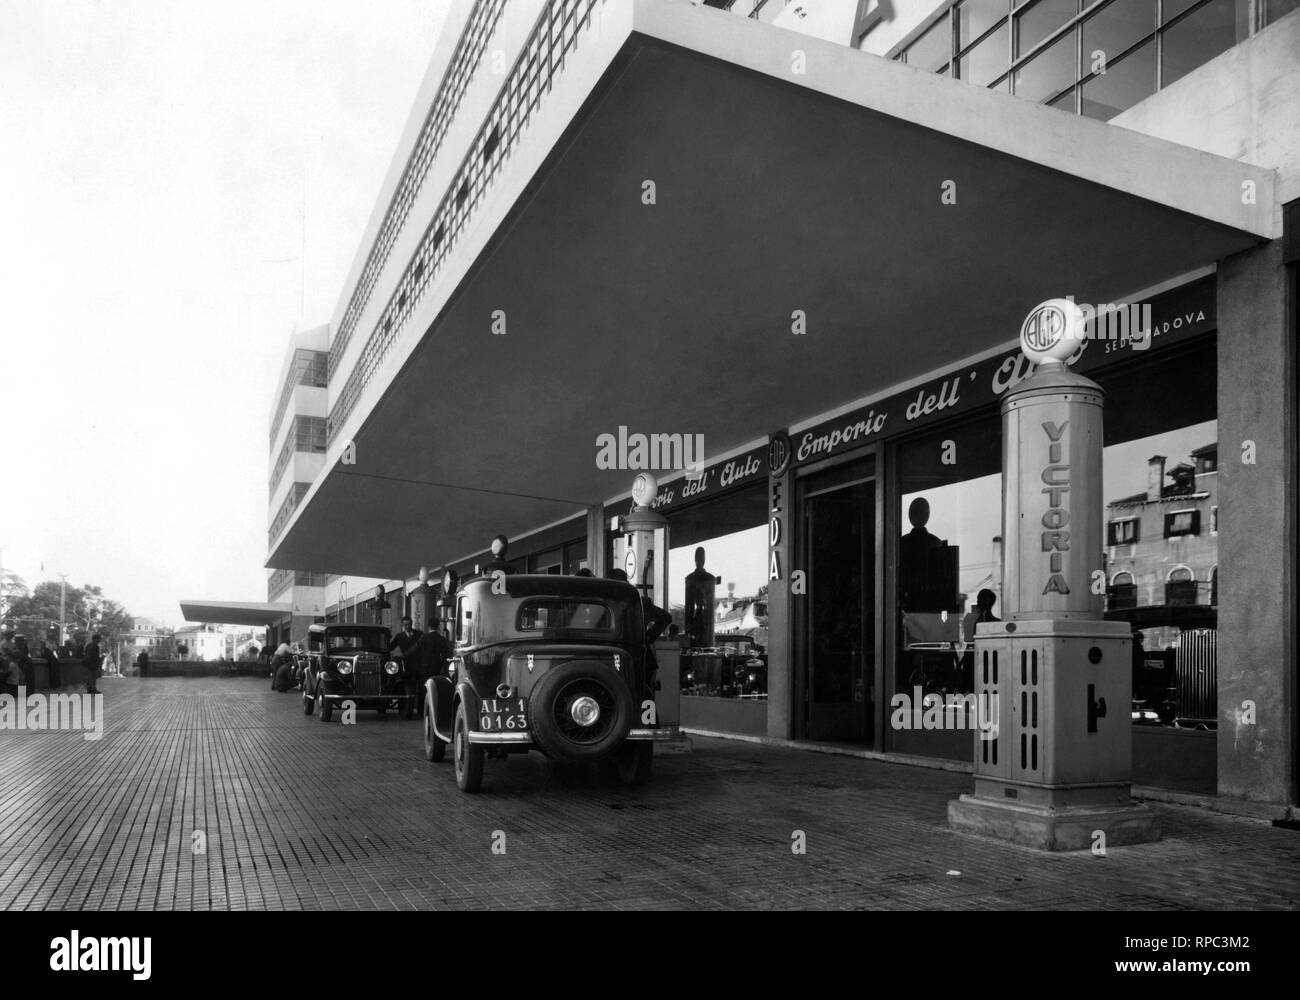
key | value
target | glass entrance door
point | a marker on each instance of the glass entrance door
(839, 636)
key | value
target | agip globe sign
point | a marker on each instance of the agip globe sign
(1052, 331)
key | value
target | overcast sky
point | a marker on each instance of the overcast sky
(156, 154)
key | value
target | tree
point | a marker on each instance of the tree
(37, 613)
(12, 588)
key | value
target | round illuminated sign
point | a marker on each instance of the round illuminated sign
(644, 489)
(424, 575)
(629, 564)
(499, 546)
(1051, 332)
(448, 582)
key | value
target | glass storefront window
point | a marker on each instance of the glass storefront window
(986, 61)
(949, 553)
(1201, 36)
(1122, 85)
(717, 592)
(1049, 72)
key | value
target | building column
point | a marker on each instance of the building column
(1257, 543)
(596, 540)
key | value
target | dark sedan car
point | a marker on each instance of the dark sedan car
(349, 663)
(549, 663)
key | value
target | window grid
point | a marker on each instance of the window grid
(464, 62)
(529, 80)
(308, 434)
(308, 368)
(286, 511)
(1258, 17)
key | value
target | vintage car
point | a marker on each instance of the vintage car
(558, 664)
(350, 663)
(735, 667)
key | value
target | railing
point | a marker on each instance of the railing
(464, 61)
(531, 78)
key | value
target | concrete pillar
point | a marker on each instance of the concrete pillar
(596, 540)
(1256, 642)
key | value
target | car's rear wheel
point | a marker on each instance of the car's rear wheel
(326, 707)
(434, 749)
(580, 711)
(633, 761)
(468, 757)
(308, 703)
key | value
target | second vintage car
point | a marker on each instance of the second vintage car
(350, 663)
(558, 664)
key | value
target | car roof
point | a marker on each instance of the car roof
(554, 585)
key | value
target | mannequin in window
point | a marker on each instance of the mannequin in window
(699, 602)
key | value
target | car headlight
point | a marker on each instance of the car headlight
(391, 667)
(344, 666)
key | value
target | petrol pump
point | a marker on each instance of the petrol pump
(641, 551)
(1053, 751)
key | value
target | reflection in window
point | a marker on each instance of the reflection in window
(554, 614)
(987, 60)
(974, 17)
(722, 628)
(1122, 85)
(950, 553)
(1038, 22)
(1048, 73)
(1201, 36)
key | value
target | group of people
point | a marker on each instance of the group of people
(424, 654)
(18, 667)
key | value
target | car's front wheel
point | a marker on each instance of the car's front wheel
(326, 706)
(308, 702)
(434, 749)
(468, 757)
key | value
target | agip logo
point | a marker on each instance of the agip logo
(1050, 331)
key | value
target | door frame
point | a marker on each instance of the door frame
(799, 621)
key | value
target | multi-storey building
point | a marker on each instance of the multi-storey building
(811, 236)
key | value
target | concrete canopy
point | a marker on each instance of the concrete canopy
(234, 612)
(775, 192)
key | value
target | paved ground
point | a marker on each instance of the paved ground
(302, 814)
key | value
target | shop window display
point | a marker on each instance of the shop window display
(949, 554)
(720, 610)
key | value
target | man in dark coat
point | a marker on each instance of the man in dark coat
(430, 656)
(93, 660)
(52, 663)
(402, 649)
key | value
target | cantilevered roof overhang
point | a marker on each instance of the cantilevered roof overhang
(789, 175)
(234, 612)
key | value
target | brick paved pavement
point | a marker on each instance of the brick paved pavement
(303, 814)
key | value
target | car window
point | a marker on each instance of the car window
(550, 613)
(373, 641)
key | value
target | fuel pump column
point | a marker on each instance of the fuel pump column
(1053, 680)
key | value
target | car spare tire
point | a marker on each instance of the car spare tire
(580, 711)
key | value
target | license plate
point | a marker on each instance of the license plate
(502, 715)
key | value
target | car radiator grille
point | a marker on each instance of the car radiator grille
(366, 677)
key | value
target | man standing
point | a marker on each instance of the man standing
(403, 648)
(93, 661)
(52, 664)
(432, 654)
